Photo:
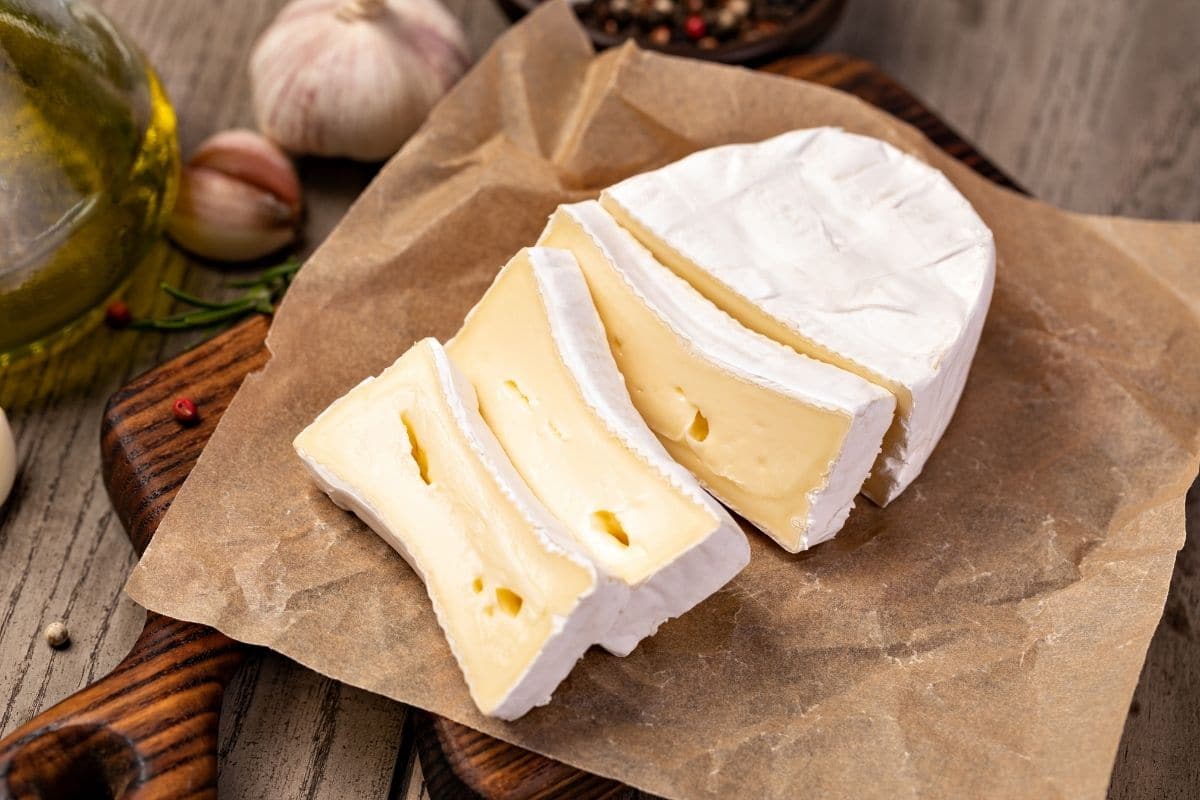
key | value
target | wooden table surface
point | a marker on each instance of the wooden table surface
(1094, 106)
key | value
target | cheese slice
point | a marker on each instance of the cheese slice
(408, 453)
(782, 439)
(842, 247)
(536, 353)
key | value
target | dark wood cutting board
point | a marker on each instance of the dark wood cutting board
(149, 729)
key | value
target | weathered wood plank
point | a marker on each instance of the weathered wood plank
(1092, 106)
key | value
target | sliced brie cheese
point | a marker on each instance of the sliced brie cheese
(536, 353)
(408, 453)
(781, 438)
(842, 247)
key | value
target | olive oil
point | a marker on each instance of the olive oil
(88, 168)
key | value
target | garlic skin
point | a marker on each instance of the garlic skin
(239, 199)
(354, 78)
(8, 458)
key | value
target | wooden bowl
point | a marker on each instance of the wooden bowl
(800, 32)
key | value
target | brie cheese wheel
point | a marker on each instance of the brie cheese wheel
(783, 439)
(518, 601)
(842, 247)
(536, 354)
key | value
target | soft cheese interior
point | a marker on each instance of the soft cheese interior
(842, 247)
(781, 438)
(408, 453)
(536, 353)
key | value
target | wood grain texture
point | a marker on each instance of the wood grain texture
(149, 729)
(1092, 105)
(146, 731)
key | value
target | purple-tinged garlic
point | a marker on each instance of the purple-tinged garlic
(239, 199)
(353, 78)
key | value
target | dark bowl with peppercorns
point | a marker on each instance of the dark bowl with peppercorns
(730, 31)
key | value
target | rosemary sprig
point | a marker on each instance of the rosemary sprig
(263, 293)
(284, 272)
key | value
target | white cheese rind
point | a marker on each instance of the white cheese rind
(709, 563)
(587, 622)
(858, 250)
(713, 335)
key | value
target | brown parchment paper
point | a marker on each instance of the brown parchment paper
(981, 637)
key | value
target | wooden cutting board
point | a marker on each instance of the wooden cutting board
(149, 729)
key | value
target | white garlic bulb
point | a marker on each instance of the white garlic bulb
(353, 77)
(8, 458)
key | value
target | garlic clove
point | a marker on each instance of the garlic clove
(8, 458)
(354, 77)
(253, 158)
(239, 198)
(225, 218)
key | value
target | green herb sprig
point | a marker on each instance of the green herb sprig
(263, 293)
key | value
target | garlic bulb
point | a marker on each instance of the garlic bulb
(353, 77)
(239, 198)
(8, 458)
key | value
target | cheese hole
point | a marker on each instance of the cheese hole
(477, 585)
(418, 453)
(509, 601)
(616, 344)
(607, 522)
(698, 430)
(512, 387)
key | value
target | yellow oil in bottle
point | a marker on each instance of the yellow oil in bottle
(88, 168)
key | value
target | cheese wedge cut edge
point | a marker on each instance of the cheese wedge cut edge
(568, 634)
(536, 352)
(701, 331)
(927, 385)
